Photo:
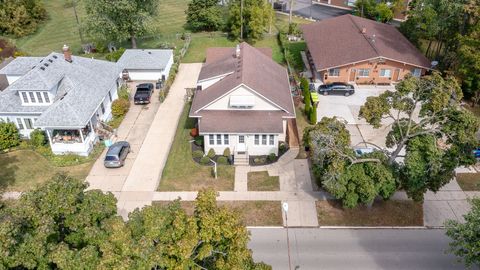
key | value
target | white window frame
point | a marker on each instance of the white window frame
(383, 73)
(32, 97)
(416, 72)
(271, 139)
(363, 70)
(211, 139)
(334, 72)
(39, 97)
(219, 139)
(25, 97)
(257, 139)
(226, 139)
(243, 138)
(46, 97)
(28, 123)
(20, 124)
(264, 139)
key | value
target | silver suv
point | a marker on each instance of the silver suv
(116, 154)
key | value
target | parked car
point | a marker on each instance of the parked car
(336, 89)
(143, 94)
(116, 154)
(476, 152)
(360, 151)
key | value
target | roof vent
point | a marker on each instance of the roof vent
(373, 38)
(42, 68)
(364, 30)
(50, 60)
(45, 64)
(55, 56)
(149, 52)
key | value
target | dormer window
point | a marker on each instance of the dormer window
(39, 97)
(32, 97)
(25, 98)
(35, 98)
(242, 102)
(47, 98)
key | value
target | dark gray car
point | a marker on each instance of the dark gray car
(116, 154)
(337, 88)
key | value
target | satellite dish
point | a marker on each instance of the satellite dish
(434, 63)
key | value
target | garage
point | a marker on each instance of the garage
(146, 65)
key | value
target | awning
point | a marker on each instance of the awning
(242, 101)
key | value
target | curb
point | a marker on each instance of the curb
(355, 227)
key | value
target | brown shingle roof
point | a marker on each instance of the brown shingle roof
(339, 41)
(241, 121)
(3, 77)
(253, 69)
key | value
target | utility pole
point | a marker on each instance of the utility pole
(74, 2)
(241, 20)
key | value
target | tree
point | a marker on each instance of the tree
(469, 64)
(346, 176)
(429, 124)
(204, 15)
(126, 19)
(466, 236)
(313, 114)
(20, 18)
(375, 10)
(9, 136)
(383, 12)
(252, 20)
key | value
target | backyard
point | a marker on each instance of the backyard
(182, 173)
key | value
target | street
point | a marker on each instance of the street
(305, 8)
(353, 249)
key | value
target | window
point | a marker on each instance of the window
(257, 139)
(47, 98)
(226, 139)
(334, 72)
(103, 108)
(386, 73)
(39, 97)
(241, 139)
(219, 139)
(264, 139)
(351, 3)
(20, 123)
(416, 72)
(271, 140)
(28, 123)
(363, 72)
(32, 97)
(110, 96)
(211, 139)
(25, 98)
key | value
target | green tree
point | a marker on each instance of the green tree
(313, 114)
(427, 122)
(126, 19)
(469, 64)
(38, 138)
(383, 13)
(204, 15)
(9, 136)
(252, 20)
(21, 18)
(466, 236)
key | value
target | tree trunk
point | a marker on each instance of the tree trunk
(133, 39)
(428, 48)
(396, 152)
(78, 22)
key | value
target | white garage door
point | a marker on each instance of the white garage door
(145, 75)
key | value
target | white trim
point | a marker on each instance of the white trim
(213, 78)
(368, 59)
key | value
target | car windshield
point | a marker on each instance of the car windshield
(111, 158)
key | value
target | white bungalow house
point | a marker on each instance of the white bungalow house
(146, 64)
(65, 95)
(243, 101)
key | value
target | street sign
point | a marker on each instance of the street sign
(285, 206)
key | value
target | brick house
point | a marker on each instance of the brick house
(399, 14)
(356, 50)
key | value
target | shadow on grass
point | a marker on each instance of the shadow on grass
(7, 171)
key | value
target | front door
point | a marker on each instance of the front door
(352, 75)
(241, 148)
(396, 73)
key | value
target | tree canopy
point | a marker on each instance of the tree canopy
(255, 17)
(204, 15)
(22, 17)
(377, 10)
(126, 19)
(466, 236)
(62, 226)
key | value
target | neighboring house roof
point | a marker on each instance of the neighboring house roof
(145, 59)
(339, 41)
(255, 70)
(238, 121)
(20, 65)
(81, 87)
(3, 82)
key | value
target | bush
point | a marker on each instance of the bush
(282, 147)
(313, 115)
(211, 153)
(9, 135)
(123, 93)
(226, 152)
(120, 107)
(37, 138)
(259, 160)
(272, 157)
(197, 154)
(114, 56)
(199, 140)
(205, 160)
(222, 160)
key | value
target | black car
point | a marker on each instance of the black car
(143, 94)
(344, 89)
(116, 154)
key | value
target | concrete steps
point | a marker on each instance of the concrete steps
(241, 160)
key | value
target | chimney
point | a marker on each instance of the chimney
(364, 30)
(67, 54)
(237, 51)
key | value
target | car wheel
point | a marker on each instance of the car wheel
(347, 94)
(325, 93)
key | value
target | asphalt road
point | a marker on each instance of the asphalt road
(353, 249)
(317, 12)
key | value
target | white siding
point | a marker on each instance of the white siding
(150, 74)
(260, 103)
(207, 83)
(252, 149)
(24, 132)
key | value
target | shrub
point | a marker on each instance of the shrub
(120, 107)
(272, 157)
(9, 135)
(123, 93)
(199, 140)
(313, 115)
(205, 160)
(260, 160)
(38, 138)
(282, 147)
(115, 55)
(222, 160)
(226, 152)
(197, 154)
(211, 153)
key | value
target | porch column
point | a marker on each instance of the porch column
(81, 135)
(49, 136)
(91, 126)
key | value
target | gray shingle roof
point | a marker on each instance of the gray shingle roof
(144, 59)
(20, 65)
(82, 85)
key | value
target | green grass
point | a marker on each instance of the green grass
(22, 170)
(281, 21)
(295, 48)
(181, 173)
(469, 181)
(261, 181)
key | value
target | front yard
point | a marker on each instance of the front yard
(382, 213)
(262, 181)
(469, 181)
(181, 173)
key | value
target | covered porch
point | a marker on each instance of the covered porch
(72, 140)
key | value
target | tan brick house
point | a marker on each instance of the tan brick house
(357, 50)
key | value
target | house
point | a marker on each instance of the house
(146, 65)
(399, 14)
(357, 50)
(242, 102)
(3, 78)
(66, 96)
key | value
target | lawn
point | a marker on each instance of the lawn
(252, 213)
(469, 181)
(382, 213)
(181, 173)
(24, 169)
(261, 181)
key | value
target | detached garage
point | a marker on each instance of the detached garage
(146, 65)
